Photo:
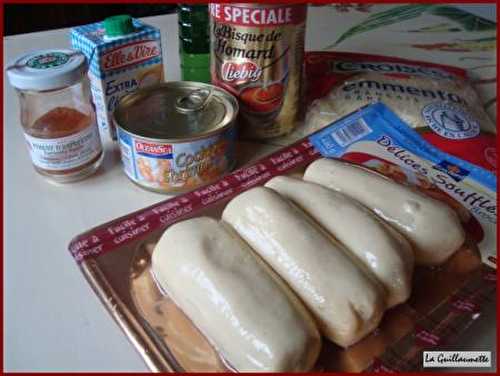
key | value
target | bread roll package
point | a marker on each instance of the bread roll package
(266, 229)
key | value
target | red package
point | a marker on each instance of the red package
(437, 100)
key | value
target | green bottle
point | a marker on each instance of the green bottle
(194, 42)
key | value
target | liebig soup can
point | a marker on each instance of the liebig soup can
(256, 54)
(176, 136)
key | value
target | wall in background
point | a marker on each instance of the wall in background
(24, 18)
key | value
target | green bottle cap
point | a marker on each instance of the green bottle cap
(118, 25)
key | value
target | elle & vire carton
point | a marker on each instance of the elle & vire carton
(124, 54)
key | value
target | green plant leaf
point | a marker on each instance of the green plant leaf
(468, 21)
(388, 17)
(480, 40)
(444, 27)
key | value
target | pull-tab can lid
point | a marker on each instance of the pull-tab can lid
(176, 111)
(47, 69)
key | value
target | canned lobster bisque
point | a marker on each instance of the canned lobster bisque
(176, 136)
(256, 54)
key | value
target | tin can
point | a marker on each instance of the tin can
(256, 54)
(176, 136)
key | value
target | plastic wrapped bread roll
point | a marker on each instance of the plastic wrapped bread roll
(346, 302)
(432, 227)
(235, 299)
(365, 88)
(381, 249)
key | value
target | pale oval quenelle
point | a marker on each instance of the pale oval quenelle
(241, 306)
(346, 302)
(431, 226)
(377, 246)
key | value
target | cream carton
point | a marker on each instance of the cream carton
(124, 54)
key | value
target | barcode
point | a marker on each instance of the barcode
(350, 133)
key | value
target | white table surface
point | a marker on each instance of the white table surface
(53, 321)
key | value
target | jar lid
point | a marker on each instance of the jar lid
(118, 25)
(47, 69)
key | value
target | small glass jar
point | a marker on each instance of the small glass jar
(57, 114)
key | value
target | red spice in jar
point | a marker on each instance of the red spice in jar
(57, 116)
(64, 122)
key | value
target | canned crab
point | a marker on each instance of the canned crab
(176, 136)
